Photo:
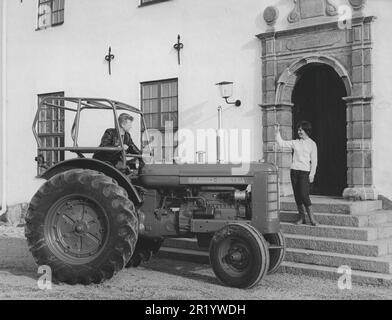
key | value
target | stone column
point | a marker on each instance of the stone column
(273, 113)
(282, 158)
(359, 150)
(359, 118)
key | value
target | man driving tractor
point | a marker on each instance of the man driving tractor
(111, 139)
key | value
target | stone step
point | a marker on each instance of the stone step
(374, 219)
(360, 277)
(333, 205)
(375, 248)
(371, 264)
(357, 277)
(348, 233)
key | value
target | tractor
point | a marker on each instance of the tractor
(91, 219)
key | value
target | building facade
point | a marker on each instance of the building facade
(320, 60)
(2, 107)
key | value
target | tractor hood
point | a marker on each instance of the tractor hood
(175, 175)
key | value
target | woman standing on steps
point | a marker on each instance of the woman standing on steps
(303, 168)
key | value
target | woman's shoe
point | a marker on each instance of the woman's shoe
(312, 219)
(301, 213)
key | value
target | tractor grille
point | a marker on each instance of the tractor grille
(273, 196)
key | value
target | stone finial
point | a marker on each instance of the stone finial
(357, 4)
(294, 15)
(330, 8)
(271, 14)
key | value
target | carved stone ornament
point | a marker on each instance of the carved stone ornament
(294, 15)
(330, 9)
(357, 4)
(271, 14)
(306, 9)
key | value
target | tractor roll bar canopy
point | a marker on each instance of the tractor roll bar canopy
(77, 105)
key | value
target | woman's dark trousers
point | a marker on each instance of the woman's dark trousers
(301, 188)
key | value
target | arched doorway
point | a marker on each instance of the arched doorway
(317, 97)
(285, 55)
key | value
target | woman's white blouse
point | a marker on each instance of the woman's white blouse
(305, 153)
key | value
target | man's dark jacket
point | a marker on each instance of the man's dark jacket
(111, 139)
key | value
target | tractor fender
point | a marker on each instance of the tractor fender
(92, 164)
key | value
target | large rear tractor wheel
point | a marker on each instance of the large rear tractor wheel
(277, 250)
(82, 225)
(239, 256)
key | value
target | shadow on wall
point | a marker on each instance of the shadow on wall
(196, 115)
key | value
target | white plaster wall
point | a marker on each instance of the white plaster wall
(1, 99)
(220, 44)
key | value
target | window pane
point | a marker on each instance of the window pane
(165, 117)
(166, 90)
(169, 116)
(166, 105)
(174, 104)
(169, 104)
(174, 89)
(50, 12)
(160, 104)
(51, 124)
(48, 127)
(55, 17)
(146, 106)
(146, 92)
(154, 91)
(155, 106)
(155, 121)
(152, 121)
(174, 118)
(42, 115)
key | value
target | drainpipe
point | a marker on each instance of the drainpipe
(4, 109)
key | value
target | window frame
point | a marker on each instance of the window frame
(49, 3)
(61, 135)
(144, 4)
(159, 113)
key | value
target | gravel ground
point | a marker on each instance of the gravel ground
(162, 279)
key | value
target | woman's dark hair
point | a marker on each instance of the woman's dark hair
(306, 126)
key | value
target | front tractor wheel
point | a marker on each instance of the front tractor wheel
(277, 250)
(239, 256)
(82, 225)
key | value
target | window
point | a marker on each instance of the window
(51, 131)
(50, 13)
(147, 2)
(160, 108)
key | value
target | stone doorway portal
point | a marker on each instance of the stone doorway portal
(314, 38)
(318, 98)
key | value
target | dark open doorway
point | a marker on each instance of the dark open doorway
(317, 98)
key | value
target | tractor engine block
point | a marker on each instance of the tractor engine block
(175, 210)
